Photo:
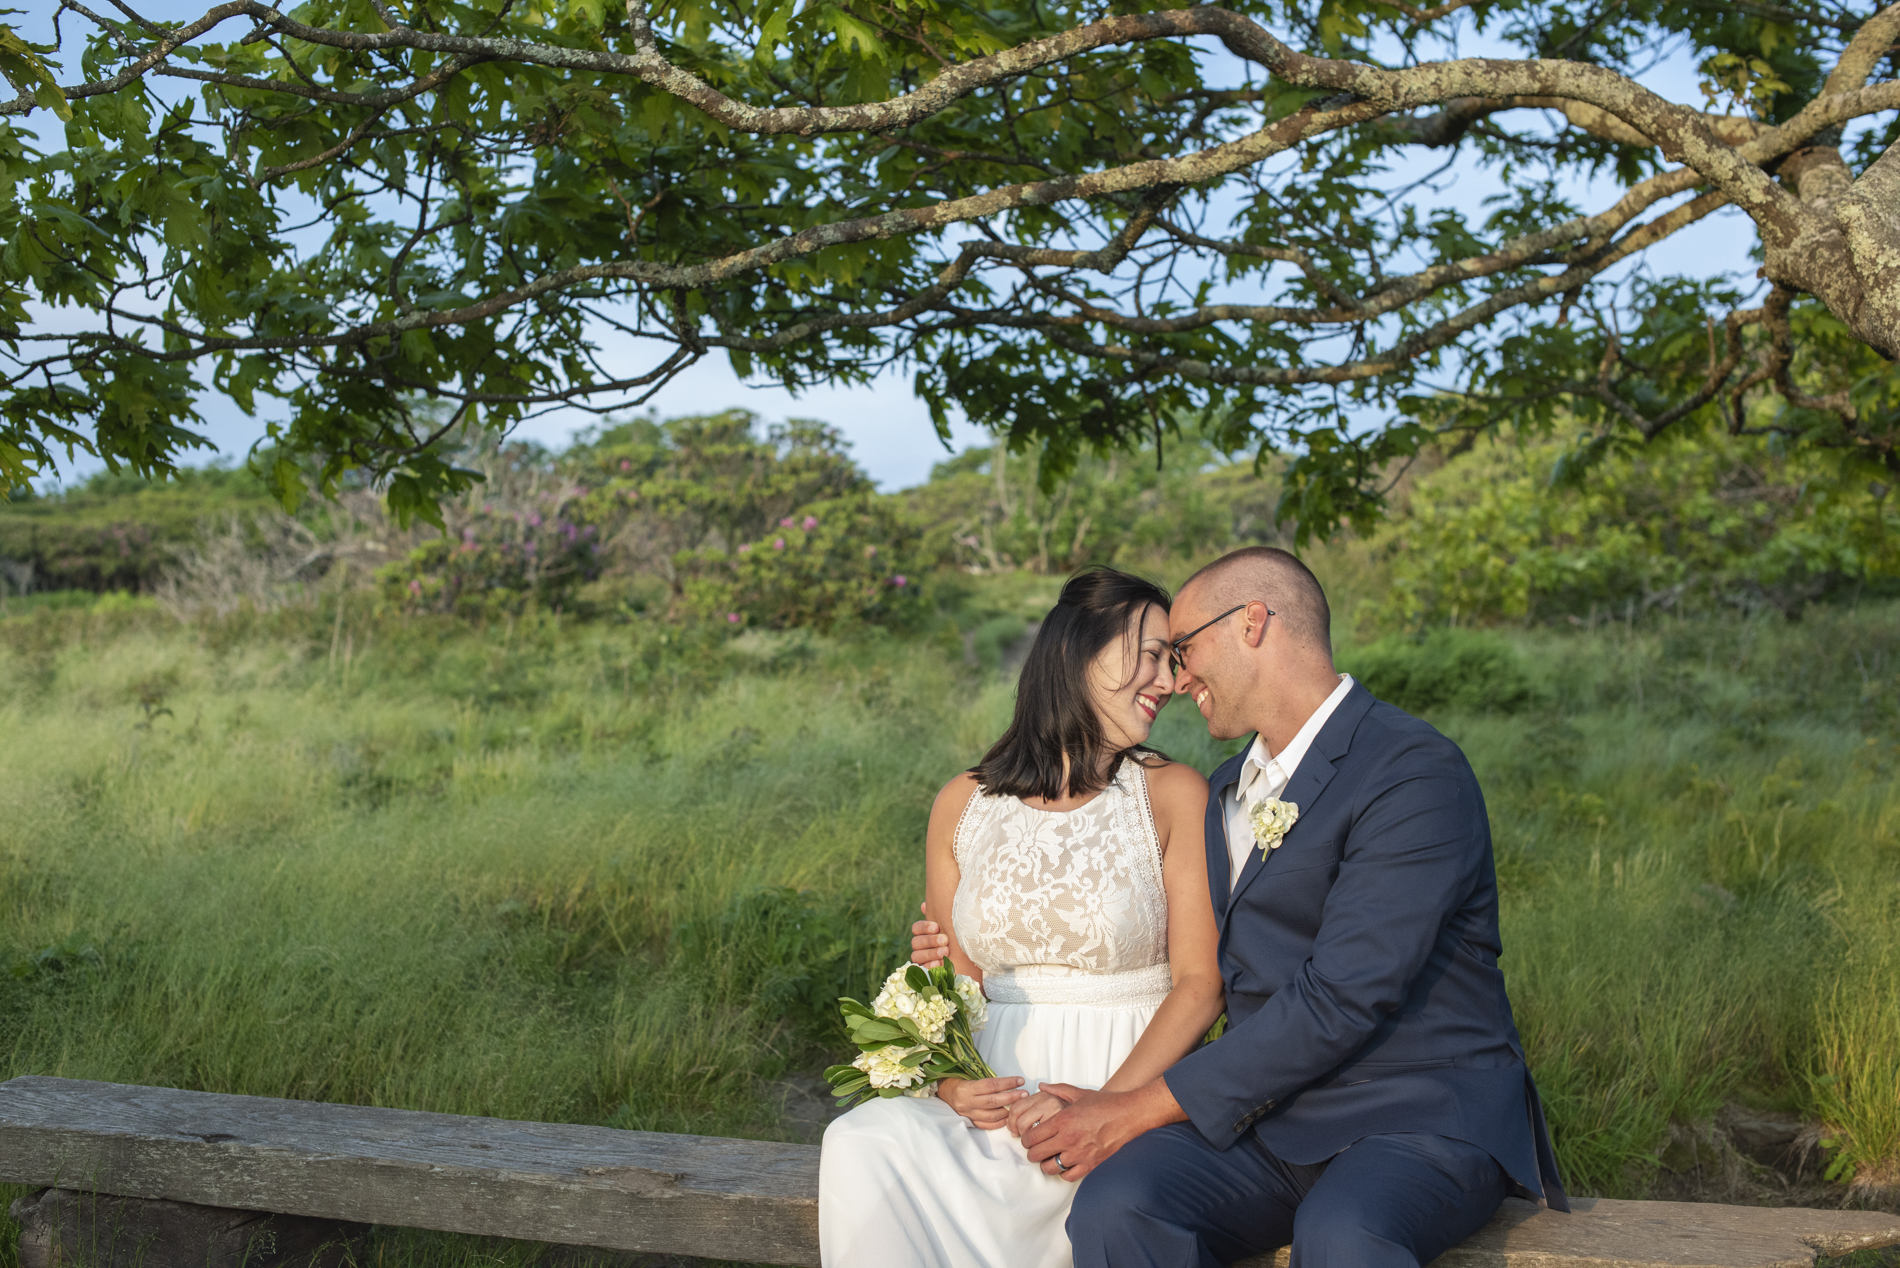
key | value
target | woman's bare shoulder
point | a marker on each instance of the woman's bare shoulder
(954, 796)
(1176, 784)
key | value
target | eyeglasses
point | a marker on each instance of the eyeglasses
(1177, 650)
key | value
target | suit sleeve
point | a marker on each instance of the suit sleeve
(1412, 856)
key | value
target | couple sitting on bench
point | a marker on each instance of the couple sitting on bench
(1331, 889)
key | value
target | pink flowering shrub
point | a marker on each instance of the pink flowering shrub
(515, 541)
(843, 562)
(497, 563)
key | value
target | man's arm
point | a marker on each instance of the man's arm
(1410, 862)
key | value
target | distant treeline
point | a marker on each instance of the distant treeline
(724, 518)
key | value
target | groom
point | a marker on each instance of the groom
(1369, 1102)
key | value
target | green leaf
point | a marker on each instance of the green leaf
(878, 1031)
(23, 68)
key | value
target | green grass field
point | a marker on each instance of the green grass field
(617, 873)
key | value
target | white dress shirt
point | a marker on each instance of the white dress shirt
(1265, 775)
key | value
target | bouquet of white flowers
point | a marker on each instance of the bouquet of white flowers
(921, 1028)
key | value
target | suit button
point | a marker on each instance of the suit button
(1241, 1126)
(1269, 1105)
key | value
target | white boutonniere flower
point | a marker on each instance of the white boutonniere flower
(1271, 818)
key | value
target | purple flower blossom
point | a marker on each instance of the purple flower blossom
(786, 522)
(527, 548)
(732, 618)
(900, 581)
(534, 521)
(626, 464)
(811, 522)
(778, 543)
(415, 587)
(745, 548)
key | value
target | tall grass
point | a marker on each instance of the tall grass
(615, 874)
(1698, 834)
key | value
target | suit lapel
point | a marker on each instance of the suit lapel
(1219, 859)
(1310, 780)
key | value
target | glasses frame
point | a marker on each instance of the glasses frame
(1177, 649)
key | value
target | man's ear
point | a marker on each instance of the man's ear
(1253, 629)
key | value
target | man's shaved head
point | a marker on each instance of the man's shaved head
(1274, 577)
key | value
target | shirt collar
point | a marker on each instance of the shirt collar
(1289, 758)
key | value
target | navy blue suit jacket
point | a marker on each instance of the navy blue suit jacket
(1361, 961)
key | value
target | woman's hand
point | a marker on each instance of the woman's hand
(985, 1102)
(1033, 1109)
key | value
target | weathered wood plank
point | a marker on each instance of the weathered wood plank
(1605, 1233)
(551, 1182)
(695, 1195)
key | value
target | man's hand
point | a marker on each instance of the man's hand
(1029, 1111)
(927, 941)
(1096, 1124)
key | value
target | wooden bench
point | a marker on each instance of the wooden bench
(198, 1168)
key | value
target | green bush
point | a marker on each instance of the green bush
(497, 563)
(987, 512)
(1458, 671)
(1519, 529)
(117, 532)
(834, 564)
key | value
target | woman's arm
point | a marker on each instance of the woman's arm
(1179, 797)
(941, 874)
(985, 1102)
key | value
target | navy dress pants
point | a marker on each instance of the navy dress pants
(1168, 1199)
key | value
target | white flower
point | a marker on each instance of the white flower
(1271, 818)
(898, 999)
(884, 1067)
(975, 1007)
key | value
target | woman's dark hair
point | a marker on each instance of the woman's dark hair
(1055, 710)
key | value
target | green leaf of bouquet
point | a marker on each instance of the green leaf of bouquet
(918, 980)
(878, 1030)
(851, 1008)
(909, 1028)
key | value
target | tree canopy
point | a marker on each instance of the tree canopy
(1076, 223)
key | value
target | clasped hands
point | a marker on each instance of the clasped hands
(1069, 1130)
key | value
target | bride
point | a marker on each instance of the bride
(1072, 865)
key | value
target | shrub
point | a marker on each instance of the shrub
(118, 532)
(1459, 671)
(988, 511)
(496, 562)
(833, 564)
(1690, 522)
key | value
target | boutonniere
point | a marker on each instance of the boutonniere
(1271, 818)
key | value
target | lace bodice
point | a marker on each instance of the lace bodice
(1064, 906)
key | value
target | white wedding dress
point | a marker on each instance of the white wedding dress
(1065, 913)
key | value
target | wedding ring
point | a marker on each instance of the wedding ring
(1061, 1165)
